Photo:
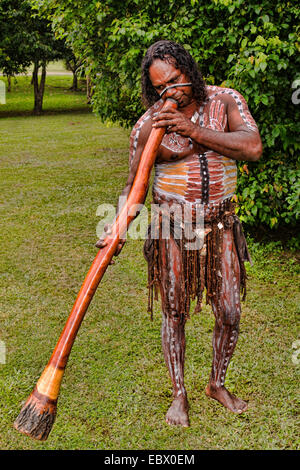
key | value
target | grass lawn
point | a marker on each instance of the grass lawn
(56, 169)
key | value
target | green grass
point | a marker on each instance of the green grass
(56, 170)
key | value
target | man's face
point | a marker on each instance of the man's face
(163, 74)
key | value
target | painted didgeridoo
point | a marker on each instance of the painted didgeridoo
(37, 416)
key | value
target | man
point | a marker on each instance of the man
(196, 165)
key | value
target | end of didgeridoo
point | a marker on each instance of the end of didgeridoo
(37, 416)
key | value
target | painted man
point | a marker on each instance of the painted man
(210, 130)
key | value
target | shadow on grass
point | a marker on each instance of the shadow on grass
(287, 237)
(46, 112)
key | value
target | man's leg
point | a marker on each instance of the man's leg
(172, 290)
(226, 331)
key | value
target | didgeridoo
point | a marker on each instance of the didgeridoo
(37, 416)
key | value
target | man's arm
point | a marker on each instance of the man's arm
(240, 142)
(134, 158)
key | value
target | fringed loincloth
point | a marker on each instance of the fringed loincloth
(201, 266)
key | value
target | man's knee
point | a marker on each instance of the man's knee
(227, 314)
(174, 316)
(174, 305)
(232, 315)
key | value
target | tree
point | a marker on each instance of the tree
(250, 46)
(73, 63)
(27, 39)
(13, 52)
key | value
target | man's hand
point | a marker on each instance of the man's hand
(101, 243)
(175, 121)
(217, 118)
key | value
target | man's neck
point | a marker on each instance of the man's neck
(189, 109)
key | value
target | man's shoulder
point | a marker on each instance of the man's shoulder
(227, 93)
(231, 96)
(147, 115)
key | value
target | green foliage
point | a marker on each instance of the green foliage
(264, 70)
(13, 49)
(25, 38)
(269, 192)
(250, 46)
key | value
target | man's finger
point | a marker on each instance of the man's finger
(101, 244)
(163, 124)
(164, 115)
(119, 247)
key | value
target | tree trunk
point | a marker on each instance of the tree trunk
(8, 83)
(89, 90)
(39, 88)
(75, 81)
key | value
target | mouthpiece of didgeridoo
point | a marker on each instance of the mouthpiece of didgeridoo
(38, 414)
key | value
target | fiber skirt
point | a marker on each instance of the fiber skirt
(201, 259)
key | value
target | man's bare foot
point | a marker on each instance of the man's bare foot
(178, 412)
(230, 401)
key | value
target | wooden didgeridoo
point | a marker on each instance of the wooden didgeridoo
(37, 416)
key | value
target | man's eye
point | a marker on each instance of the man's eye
(175, 80)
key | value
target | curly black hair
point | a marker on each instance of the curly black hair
(181, 59)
